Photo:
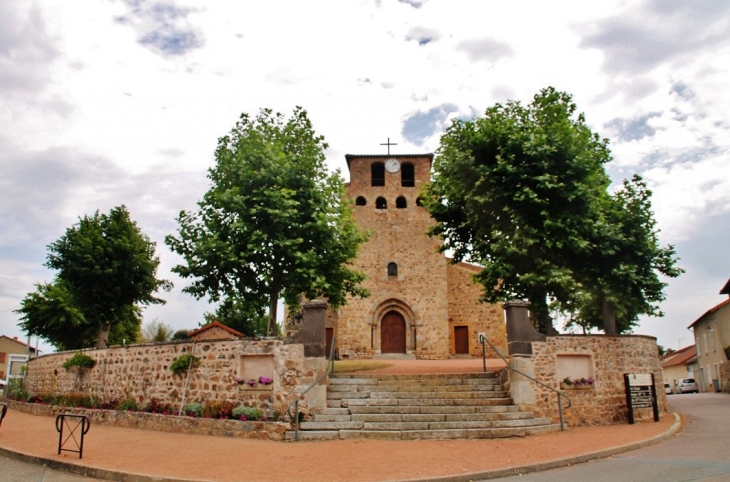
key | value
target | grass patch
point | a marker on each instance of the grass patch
(345, 366)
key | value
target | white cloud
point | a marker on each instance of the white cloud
(121, 102)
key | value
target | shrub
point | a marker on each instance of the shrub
(216, 409)
(128, 405)
(16, 389)
(193, 409)
(180, 335)
(155, 406)
(79, 360)
(250, 413)
(180, 364)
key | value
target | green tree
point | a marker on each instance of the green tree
(274, 223)
(241, 317)
(156, 331)
(622, 275)
(106, 269)
(523, 192)
(517, 191)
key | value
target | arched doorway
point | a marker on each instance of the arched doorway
(393, 333)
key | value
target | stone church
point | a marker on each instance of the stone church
(420, 304)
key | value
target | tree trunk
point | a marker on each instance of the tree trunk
(609, 319)
(273, 308)
(103, 335)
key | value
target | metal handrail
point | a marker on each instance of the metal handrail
(295, 403)
(484, 339)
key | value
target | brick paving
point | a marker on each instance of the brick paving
(115, 452)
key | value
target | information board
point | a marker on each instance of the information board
(640, 393)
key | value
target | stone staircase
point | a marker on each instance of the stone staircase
(411, 407)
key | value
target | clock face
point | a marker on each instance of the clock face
(392, 166)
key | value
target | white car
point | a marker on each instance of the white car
(687, 385)
(668, 389)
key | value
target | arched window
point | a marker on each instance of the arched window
(381, 203)
(407, 175)
(419, 201)
(392, 269)
(360, 201)
(400, 202)
(377, 173)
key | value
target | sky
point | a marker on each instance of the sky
(111, 102)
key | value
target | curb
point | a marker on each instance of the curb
(555, 463)
(106, 474)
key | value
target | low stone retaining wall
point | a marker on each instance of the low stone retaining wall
(603, 358)
(142, 372)
(164, 423)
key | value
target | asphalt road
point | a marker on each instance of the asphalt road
(700, 452)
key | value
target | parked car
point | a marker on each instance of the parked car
(668, 389)
(687, 385)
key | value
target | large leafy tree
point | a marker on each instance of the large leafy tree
(106, 269)
(274, 224)
(522, 191)
(621, 278)
(240, 316)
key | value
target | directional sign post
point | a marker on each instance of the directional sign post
(640, 393)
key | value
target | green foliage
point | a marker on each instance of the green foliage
(129, 404)
(79, 360)
(180, 335)
(218, 409)
(237, 315)
(193, 409)
(180, 365)
(273, 224)
(16, 389)
(106, 269)
(250, 413)
(624, 265)
(155, 406)
(156, 331)
(522, 191)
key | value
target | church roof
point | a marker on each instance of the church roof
(350, 157)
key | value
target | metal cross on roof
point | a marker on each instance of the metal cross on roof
(388, 144)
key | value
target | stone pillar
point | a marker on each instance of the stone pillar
(312, 332)
(520, 332)
(521, 388)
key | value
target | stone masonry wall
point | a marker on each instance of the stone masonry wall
(143, 372)
(610, 357)
(464, 309)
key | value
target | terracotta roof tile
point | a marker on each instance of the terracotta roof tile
(215, 324)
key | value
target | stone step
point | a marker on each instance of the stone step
(331, 425)
(452, 409)
(431, 417)
(433, 376)
(415, 388)
(466, 433)
(442, 402)
(402, 395)
(370, 382)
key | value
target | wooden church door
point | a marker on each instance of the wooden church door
(461, 340)
(393, 333)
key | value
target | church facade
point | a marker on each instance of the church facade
(420, 304)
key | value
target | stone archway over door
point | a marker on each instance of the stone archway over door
(393, 333)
